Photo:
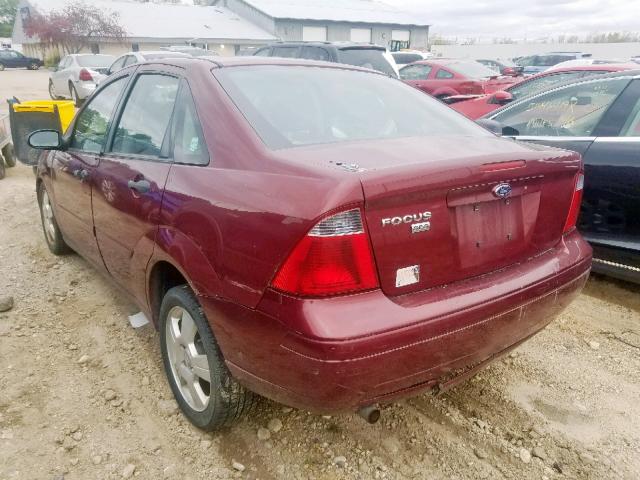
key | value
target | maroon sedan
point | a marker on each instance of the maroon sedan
(444, 78)
(320, 234)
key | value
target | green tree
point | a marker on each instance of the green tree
(7, 16)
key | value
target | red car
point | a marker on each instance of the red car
(444, 78)
(477, 107)
(321, 234)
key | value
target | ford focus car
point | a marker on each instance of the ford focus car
(320, 234)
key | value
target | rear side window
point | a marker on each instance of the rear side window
(285, 52)
(189, 145)
(117, 65)
(443, 74)
(129, 60)
(263, 52)
(537, 85)
(315, 53)
(90, 131)
(146, 115)
(367, 58)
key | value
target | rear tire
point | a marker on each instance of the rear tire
(2, 169)
(33, 66)
(9, 155)
(191, 355)
(74, 95)
(51, 91)
(1, 67)
(52, 233)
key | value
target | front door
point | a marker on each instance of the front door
(73, 170)
(131, 177)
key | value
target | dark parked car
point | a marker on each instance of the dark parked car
(349, 53)
(478, 106)
(599, 118)
(446, 78)
(503, 67)
(290, 230)
(13, 59)
(539, 63)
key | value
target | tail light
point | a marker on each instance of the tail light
(335, 257)
(508, 71)
(576, 200)
(85, 76)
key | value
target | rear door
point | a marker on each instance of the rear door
(132, 173)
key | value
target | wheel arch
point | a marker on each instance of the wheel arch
(162, 277)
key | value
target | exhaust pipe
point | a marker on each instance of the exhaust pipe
(370, 413)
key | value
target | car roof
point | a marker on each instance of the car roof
(249, 60)
(338, 45)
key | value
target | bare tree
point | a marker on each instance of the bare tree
(75, 26)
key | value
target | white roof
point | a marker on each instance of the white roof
(353, 11)
(167, 21)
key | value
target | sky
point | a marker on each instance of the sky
(529, 19)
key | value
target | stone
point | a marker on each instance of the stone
(96, 459)
(109, 395)
(238, 466)
(539, 452)
(83, 359)
(594, 345)
(6, 304)
(525, 455)
(128, 471)
(264, 434)
(74, 461)
(145, 380)
(340, 461)
(205, 444)
(168, 407)
(77, 436)
(391, 445)
(275, 425)
(481, 454)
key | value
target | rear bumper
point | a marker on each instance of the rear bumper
(341, 353)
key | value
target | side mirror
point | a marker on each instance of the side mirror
(45, 140)
(501, 98)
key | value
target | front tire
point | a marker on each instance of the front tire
(9, 155)
(52, 233)
(33, 66)
(203, 386)
(1, 67)
(52, 91)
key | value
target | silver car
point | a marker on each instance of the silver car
(138, 57)
(77, 76)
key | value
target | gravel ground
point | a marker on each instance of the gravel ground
(83, 395)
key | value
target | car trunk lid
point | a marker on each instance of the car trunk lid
(462, 208)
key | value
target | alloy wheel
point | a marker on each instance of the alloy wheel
(189, 362)
(47, 218)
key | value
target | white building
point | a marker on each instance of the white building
(150, 26)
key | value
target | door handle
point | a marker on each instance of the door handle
(140, 186)
(81, 174)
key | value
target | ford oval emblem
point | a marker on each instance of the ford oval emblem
(502, 190)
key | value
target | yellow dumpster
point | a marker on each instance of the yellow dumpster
(27, 117)
(66, 109)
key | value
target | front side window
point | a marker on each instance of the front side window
(296, 105)
(443, 74)
(189, 145)
(263, 52)
(541, 84)
(90, 133)
(571, 111)
(285, 52)
(146, 116)
(315, 53)
(415, 72)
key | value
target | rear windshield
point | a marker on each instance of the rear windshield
(367, 58)
(95, 61)
(295, 105)
(471, 69)
(404, 58)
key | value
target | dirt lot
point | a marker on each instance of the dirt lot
(83, 395)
